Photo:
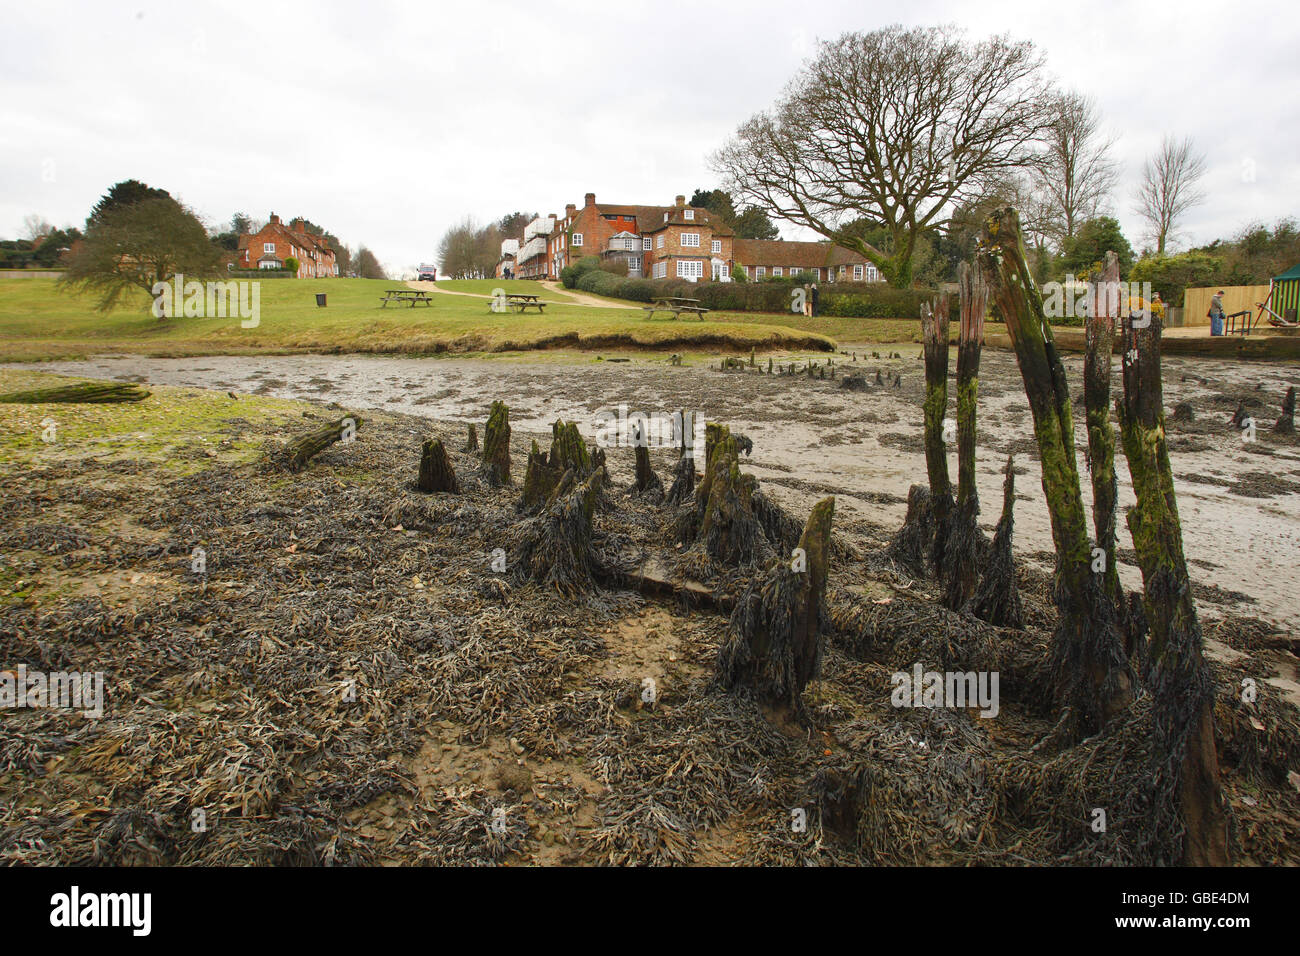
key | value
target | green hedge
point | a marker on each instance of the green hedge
(261, 274)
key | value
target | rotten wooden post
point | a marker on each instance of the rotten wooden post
(997, 599)
(774, 646)
(471, 441)
(1103, 306)
(1089, 669)
(496, 445)
(436, 471)
(1186, 767)
(1286, 424)
(934, 334)
(964, 543)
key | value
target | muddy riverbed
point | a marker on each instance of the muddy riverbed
(1239, 499)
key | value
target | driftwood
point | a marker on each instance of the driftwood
(774, 645)
(959, 572)
(80, 393)
(436, 471)
(496, 445)
(1089, 670)
(1186, 770)
(302, 449)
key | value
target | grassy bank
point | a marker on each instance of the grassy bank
(38, 322)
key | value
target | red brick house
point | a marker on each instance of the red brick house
(269, 247)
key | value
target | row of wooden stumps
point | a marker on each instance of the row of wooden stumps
(941, 533)
(1103, 650)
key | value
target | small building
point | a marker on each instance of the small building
(274, 244)
(1284, 294)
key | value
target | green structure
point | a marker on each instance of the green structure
(1284, 296)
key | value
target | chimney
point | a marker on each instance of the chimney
(681, 201)
(570, 210)
(298, 226)
(275, 220)
(590, 199)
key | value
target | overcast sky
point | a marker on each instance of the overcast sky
(387, 122)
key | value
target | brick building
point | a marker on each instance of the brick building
(274, 243)
(763, 258)
(672, 242)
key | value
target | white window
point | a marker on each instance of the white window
(268, 247)
(647, 243)
(689, 213)
(777, 271)
(691, 239)
(873, 274)
(857, 273)
(690, 269)
(841, 272)
(817, 274)
(659, 240)
(634, 265)
(760, 272)
(577, 238)
(716, 246)
(661, 270)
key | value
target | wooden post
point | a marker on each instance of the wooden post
(1187, 768)
(962, 551)
(1103, 305)
(471, 442)
(1089, 668)
(1286, 424)
(774, 645)
(496, 445)
(997, 599)
(934, 334)
(436, 471)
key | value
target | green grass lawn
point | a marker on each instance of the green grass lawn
(509, 286)
(38, 322)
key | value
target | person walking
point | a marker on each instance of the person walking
(814, 302)
(1216, 313)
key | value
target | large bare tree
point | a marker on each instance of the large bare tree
(897, 127)
(1169, 189)
(1077, 174)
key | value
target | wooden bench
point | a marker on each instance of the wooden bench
(518, 302)
(405, 295)
(676, 305)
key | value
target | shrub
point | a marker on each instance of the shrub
(1171, 276)
(570, 275)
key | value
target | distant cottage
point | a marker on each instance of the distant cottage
(274, 244)
(677, 242)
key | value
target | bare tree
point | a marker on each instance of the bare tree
(1077, 174)
(895, 126)
(1169, 188)
(34, 226)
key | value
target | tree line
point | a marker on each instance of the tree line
(137, 235)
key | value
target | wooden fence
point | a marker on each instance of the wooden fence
(1196, 302)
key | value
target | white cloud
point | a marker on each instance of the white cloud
(386, 122)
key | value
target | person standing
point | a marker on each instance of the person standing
(814, 302)
(1216, 313)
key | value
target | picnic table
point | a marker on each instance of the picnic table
(405, 295)
(518, 302)
(676, 305)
